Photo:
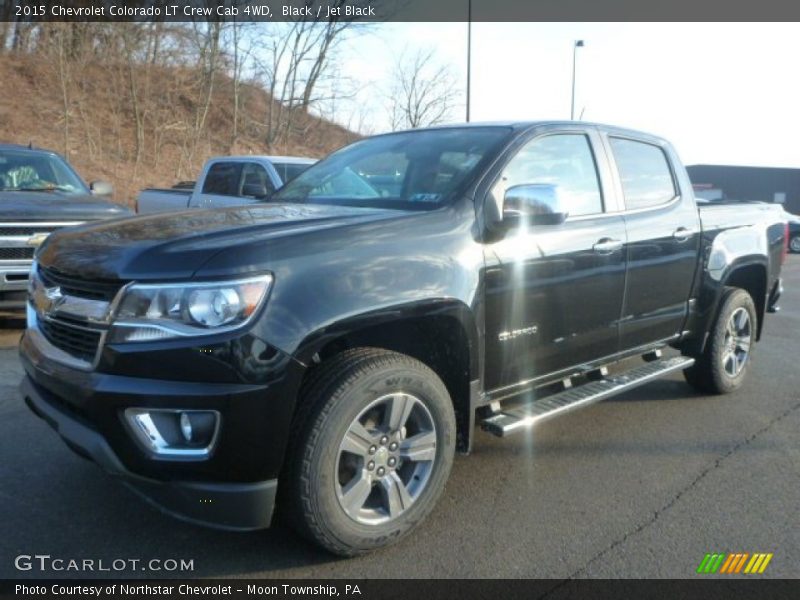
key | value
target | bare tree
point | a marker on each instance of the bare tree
(423, 93)
(7, 14)
(64, 68)
(240, 44)
(294, 66)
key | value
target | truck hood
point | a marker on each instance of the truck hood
(175, 245)
(53, 206)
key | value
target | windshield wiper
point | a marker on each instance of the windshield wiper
(31, 189)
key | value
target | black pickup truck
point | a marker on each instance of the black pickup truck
(329, 351)
(39, 193)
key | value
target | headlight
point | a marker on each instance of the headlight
(154, 312)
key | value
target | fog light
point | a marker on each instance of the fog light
(171, 433)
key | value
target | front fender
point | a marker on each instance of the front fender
(447, 308)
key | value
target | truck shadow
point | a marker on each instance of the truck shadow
(75, 511)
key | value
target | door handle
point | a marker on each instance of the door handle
(607, 246)
(682, 234)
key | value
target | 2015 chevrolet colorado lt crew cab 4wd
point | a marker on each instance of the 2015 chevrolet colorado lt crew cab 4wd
(329, 351)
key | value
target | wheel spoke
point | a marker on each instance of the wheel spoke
(356, 492)
(398, 411)
(741, 321)
(396, 496)
(357, 440)
(729, 362)
(420, 447)
(743, 343)
(738, 362)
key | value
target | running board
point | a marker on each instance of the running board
(528, 415)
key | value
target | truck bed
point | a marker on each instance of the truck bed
(163, 199)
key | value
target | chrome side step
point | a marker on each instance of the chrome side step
(528, 415)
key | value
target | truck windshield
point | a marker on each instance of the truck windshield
(413, 170)
(31, 171)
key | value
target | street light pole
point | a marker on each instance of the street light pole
(469, 53)
(576, 45)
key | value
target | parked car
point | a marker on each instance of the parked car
(330, 350)
(39, 193)
(226, 181)
(794, 231)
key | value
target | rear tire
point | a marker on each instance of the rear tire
(373, 453)
(794, 243)
(723, 365)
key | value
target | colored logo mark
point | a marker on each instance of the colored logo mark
(738, 562)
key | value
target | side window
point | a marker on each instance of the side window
(223, 179)
(563, 160)
(645, 174)
(255, 181)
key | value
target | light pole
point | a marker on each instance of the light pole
(576, 45)
(469, 52)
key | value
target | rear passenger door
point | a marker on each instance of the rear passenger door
(663, 240)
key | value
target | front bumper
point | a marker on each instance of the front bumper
(12, 303)
(232, 506)
(13, 286)
(234, 488)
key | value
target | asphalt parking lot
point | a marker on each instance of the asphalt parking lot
(643, 485)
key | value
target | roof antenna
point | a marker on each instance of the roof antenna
(30, 145)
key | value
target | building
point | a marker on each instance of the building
(766, 184)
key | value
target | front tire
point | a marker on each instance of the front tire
(794, 243)
(374, 451)
(722, 367)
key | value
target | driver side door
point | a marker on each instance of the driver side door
(554, 293)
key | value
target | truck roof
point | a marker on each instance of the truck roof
(25, 148)
(298, 160)
(519, 125)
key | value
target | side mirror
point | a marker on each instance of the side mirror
(101, 188)
(534, 204)
(255, 190)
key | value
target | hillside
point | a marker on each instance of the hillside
(103, 118)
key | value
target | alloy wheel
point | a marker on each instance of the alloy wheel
(738, 337)
(385, 459)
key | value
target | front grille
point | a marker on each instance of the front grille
(16, 253)
(78, 341)
(7, 231)
(83, 288)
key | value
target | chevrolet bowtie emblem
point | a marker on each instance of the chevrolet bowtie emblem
(37, 238)
(47, 300)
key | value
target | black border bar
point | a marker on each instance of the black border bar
(398, 10)
(732, 588)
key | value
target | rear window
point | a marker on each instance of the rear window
(644, 170)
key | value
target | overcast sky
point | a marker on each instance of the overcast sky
(723, 93)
